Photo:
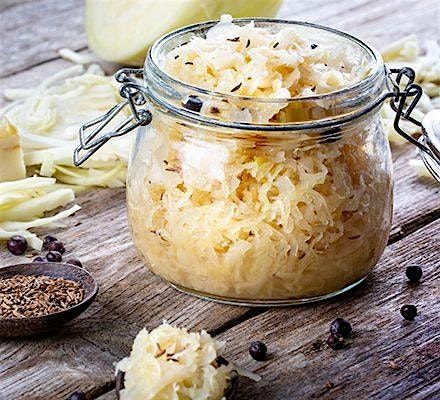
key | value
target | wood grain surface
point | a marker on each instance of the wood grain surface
(387, 358)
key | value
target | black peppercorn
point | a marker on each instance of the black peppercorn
(408, 311)
(335, 342)
(74, 261)
(56, 246)
(38, 259)
(414, 273)
(78, 395)
(53, 256)
(47, 240)
(17, 245)
(313, 46)
(258, 351)
(340, 327)
(193, 103)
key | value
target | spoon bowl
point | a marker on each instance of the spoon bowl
(28, 326)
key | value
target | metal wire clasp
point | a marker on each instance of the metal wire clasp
(399, 102)
(135, 97)
(399, 97)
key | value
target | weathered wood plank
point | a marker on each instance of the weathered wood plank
(11, 3)
(69, 362)
(416, 199)
(33, 32)
(298, 369)
(376, 21)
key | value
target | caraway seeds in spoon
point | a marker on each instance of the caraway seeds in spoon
(24, 296)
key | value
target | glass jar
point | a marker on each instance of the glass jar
(289, 211)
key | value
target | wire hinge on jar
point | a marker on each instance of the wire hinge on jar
(134, 94)
(428, 142)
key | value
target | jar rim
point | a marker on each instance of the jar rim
(152, 65)
(152, 60)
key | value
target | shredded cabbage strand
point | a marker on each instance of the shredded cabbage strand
(48, 119)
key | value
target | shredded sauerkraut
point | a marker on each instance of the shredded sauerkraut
(281, 65)
(172, 363)
(243, 220)
(259, 216)
(253, 62)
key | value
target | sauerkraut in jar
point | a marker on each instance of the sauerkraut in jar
(264, 176)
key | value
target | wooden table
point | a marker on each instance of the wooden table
(388, 357)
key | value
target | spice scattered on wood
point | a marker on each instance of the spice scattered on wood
(258, 351)
(24, 296)
(215, 110)
(17, 245)
(313, 46)
(276, 45)
(248, 43)
(219, 361)
(56, 245)
(340, 327)
(176, 56)
(54, 256)
(317, 345)
(409, 311)
(335, 342)
(48, 239)
(393, 365)
(329, 385)
(77, 395)
(414, 273)
(234, 89)
(74, 261)
(236, 39)
(189, 63)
